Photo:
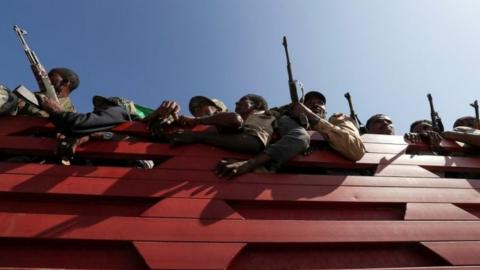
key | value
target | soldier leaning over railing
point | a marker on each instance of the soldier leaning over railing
(249, 129)
(79, 128)
(339, 131)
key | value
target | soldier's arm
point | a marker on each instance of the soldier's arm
(342, 135)
(84, 123)
(465, 135)
(229, 120)
(340, 132)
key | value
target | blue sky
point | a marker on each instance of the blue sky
(388, 54)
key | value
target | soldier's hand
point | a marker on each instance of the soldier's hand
(434, 140)
(229, 169)
(48, 104)
(165, 109)
(298, 109)
(38, 70)
(66, 149)
(413, 137)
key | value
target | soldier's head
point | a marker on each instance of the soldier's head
(465, 121)
(421, 126)
(64, 80)
(380, 124)
(316, 102)
(204, 106)
(249, 104)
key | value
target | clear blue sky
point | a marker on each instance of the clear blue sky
(388, 54)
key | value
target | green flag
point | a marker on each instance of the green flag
(142, 112)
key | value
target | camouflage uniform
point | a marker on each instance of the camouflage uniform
(8, 101)
(26, 108)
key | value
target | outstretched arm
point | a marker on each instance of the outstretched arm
(465, 135)
(229, 120)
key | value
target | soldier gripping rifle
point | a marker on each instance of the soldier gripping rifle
(39, 71)
(353, 114)
(437, 124)
(477, 119)
(292, 84)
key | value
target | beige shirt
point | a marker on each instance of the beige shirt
(342, 135)
(261, 125)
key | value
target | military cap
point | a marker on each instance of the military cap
(315, 94)
(196, 101)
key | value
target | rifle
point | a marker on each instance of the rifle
(292, 83)
(437, 124)
(477, 119)
(353, 114)
(39, 71)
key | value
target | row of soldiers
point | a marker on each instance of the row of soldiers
(273, 135)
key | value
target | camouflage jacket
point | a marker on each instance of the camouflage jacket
(26, 108)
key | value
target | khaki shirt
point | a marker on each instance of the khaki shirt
(67, 104)
(260, 125)
(342, 135)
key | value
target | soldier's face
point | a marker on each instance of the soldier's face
(382, 125)
(244, 106)
(205, 109)
(58, 83)
(422, 128)
(316, 105)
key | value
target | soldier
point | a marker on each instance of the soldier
(79, 128)
(107, 113)
(464, 131)
(380, 124)
(248, 129)
(340, 132)
(422, 131)
(198, 105)
(168, 113)
(420, 126)
(64, 81)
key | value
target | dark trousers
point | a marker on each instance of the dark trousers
(294, 140)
